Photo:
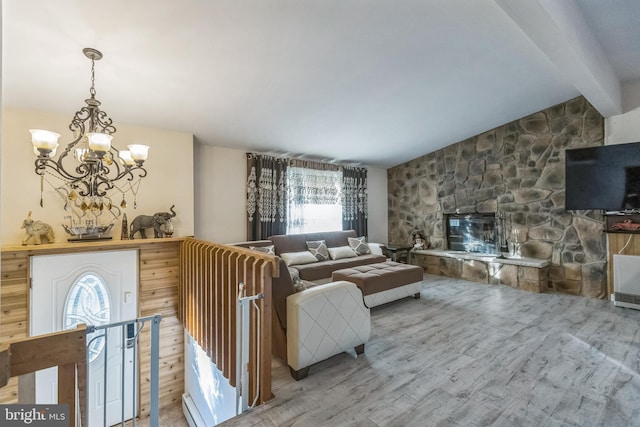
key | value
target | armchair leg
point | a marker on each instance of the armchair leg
(299, 375)
(417, 295)
(359, 349)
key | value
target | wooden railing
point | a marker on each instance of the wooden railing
(209, 280)
(66, 350)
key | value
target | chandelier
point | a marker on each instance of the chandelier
(89, 171)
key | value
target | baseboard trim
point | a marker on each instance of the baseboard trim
(191, 412)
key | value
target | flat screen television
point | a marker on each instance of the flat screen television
(605, 177)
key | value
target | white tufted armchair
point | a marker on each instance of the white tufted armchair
(324, 321)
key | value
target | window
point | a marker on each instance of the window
(312, 218)
(88, 302)
(314, 200)
(291, 196)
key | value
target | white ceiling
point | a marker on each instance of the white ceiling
(377, 82)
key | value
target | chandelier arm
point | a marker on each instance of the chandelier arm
(103, 122)
(128, 173)
(69, 148)
(77, 123)
(87, 172)
(102, 183)
(43, 163)
(98, 120)
(83, 187)
(99, 181)
(141, 172)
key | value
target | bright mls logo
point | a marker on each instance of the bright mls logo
(34, 415)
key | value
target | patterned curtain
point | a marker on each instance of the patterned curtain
(354, 200)
(310, 183)
(266, 196)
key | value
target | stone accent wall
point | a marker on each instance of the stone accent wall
(516, 170)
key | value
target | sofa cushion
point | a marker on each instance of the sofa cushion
(319, 249)
(373, 278)
(293, 272)
(270, 249)
(298, 242)
(303, 285)
(253, 243)
(323, 269)
(359, 245)
(342, 252)
(298, 258)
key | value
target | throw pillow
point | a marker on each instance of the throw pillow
(359, 245)
(299, 286)
(302, 285)
(319, 249)
(271, 250)
(293, 258)
(294, 273)
(342, 252)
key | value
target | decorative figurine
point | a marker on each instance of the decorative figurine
(627, 224)
(155, 221)
(417, 240)
(167, 228)
(36, 231)
(124, 233)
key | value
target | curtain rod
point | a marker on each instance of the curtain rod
(302, 158)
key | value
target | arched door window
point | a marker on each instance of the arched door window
(88, 302)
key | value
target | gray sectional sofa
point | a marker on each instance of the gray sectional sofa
(315, 271)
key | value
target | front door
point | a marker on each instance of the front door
(94, 288)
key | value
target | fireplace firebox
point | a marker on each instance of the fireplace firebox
(473, 232)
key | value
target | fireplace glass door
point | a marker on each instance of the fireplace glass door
(472, 233)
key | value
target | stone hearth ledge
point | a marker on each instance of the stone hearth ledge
(527, 274)
(522, 261)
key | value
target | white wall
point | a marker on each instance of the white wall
(622, 128)
(211, 392)
(1, 118)
(378, 205)
(169, 180)
(220, 176)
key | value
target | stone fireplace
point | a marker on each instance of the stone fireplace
(516, 170)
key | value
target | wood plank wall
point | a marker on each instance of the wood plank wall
(158, 294)
(618, 241)
(14, 309)
(208, 299)
(159, 272)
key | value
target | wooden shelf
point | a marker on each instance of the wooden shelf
(94, 245)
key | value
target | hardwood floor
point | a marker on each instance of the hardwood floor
(169, 417)
(468, 354)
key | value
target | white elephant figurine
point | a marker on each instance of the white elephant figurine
(36, 231)
(155, 221)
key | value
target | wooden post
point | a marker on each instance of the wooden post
(65, 349)
(5, 364)
(67, 387)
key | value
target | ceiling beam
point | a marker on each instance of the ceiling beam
(560, 31)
